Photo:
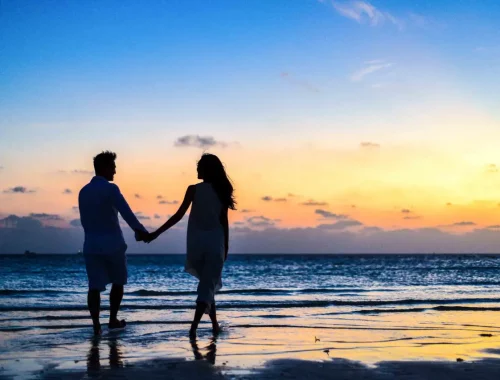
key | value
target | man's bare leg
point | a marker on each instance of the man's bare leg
(94, 305)
(115, 300)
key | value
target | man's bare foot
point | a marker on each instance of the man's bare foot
(97, 330)
(117, 325)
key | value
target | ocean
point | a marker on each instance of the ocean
(43, 300)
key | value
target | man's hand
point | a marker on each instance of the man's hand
(141, 235)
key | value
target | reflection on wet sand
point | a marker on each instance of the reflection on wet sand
(115, 356)
(211, 350)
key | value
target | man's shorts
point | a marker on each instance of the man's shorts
(104, 269)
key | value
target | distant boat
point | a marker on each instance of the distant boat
(29, 253)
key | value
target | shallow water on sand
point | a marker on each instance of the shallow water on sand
(313, 307)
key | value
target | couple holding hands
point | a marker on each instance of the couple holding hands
(104, 248)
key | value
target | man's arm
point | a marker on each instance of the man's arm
(123, 208)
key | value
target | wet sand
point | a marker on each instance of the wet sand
(383, 346)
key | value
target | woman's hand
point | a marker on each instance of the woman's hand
(151, 236)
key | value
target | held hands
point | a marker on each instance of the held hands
(146, 237)
(151, 236)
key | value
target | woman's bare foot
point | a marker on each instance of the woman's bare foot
(216, 329)
(192, 333)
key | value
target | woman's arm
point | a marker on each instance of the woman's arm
(174, 219)
(225, 225)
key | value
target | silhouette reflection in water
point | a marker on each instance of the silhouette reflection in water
(94, 355)
(211, 350)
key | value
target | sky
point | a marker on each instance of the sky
(346, 126)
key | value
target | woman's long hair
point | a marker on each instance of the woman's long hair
(211, 170)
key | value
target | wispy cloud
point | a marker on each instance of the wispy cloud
(365, 13)
(369, 145)
(370, 68)
(141, 216)
(312, 202)
(138, 196)
(267, 198)
(45, 216)
(67, 191)
(19, 190)
(260, 221)
(340, 225)
(462, 224)
(245, 211)
(165, 202)
(291, 79)
(203, 142)
(330, 215)
(157, 216)
(492, 168)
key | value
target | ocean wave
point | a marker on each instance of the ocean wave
(11, 292)
(259, 291)
(439, 303)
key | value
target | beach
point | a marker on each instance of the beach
(346, 322)
(413, 346)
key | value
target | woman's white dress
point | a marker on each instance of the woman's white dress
(205, 242)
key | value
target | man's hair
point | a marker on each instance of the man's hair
(103, 160)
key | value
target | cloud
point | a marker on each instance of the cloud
(260, 221)
(463, 224)
(14, 221)
(246, 211)
(495, 226)
(311, 202)
(197, 141)
(267, 198)
(1, 167)
(492, 168)
(75, 209)
(369, 145)
(369, 68)
(139, 215)
(19, 190)
(138, 196)
(67, 191)
(365, 13)
(340, 225)
(159, 197)
(406, 211)
(156, 216)
(75, 223)
(449, 204)
(411, 217)
(165, 202)
(280, 200)
(329, 215)
(44, 216)
(77, 172)
(20, 233)
(298, 82)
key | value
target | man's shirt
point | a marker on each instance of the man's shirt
(100, 202)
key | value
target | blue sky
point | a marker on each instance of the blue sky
(290, 91)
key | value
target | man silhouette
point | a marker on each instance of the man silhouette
(104, 248)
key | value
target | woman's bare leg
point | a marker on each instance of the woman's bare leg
(213, 318)
(198, 313)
